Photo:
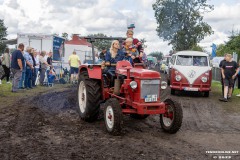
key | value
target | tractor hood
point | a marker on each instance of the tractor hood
(140, 73)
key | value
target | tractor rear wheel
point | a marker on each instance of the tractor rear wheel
(89, 97)
(113, 116)
(171, 120)
(139, 116)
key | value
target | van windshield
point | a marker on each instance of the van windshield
(192, 60)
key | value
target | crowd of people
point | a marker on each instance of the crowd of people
(25, 66)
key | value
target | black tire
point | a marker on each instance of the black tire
(206, 94)
(112, 108)
(172, 91)
(176, 121)
(168, 82)
(89, 104)
(139, 116)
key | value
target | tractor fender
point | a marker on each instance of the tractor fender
(94, 71)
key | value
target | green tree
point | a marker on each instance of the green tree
(197, 48)
(233, 45)
(181, 22)
(158, 55)
(101, 43)
(3, 35)
(65, 35)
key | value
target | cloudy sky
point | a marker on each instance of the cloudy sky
(109, 17)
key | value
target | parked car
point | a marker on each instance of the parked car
(190, 71)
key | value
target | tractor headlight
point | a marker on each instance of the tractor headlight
(178, 78)
(204, 79)
(163, 85)
(133, 84)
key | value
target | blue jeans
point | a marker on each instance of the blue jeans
(28, 78)
(34, 76)
(20, 84)
(16, 78)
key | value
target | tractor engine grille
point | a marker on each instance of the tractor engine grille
(150, 87)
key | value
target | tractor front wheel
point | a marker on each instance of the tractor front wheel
(113, 116)
(172, 91)
(171, 120)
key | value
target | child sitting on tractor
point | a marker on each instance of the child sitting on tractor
(131, 52)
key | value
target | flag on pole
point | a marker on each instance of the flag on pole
(214, 50)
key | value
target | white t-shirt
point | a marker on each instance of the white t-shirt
(37, 61)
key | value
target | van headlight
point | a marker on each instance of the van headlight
(133, 84)
(163, 85)
(178, 78)
(204, 79)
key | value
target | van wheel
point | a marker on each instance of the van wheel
(206, 94)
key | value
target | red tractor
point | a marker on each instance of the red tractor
(135, 92)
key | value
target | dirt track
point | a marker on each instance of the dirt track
(47, 127)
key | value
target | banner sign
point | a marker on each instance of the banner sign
(57, 48)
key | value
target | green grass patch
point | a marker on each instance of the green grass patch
(9, 98)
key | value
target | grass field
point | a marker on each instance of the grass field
(7, 97)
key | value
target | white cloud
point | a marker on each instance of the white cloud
(106, 16)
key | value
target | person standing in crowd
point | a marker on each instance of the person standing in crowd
(74, 62)
(220, 66)
(33, 70)
(29, 68)
(229, 72)
(103, 54)
(17, 66)
(238, 77)
(44, 65)
(6, 65)
(49, 59)
(36, 58)
(22, 79)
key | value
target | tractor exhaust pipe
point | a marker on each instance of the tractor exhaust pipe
(117, 83)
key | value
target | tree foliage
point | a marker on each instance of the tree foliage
(3, 35)
(233, 45)
(65, 35)
(100, 43)
(181, 22)
(197, 48)
(158, 55)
